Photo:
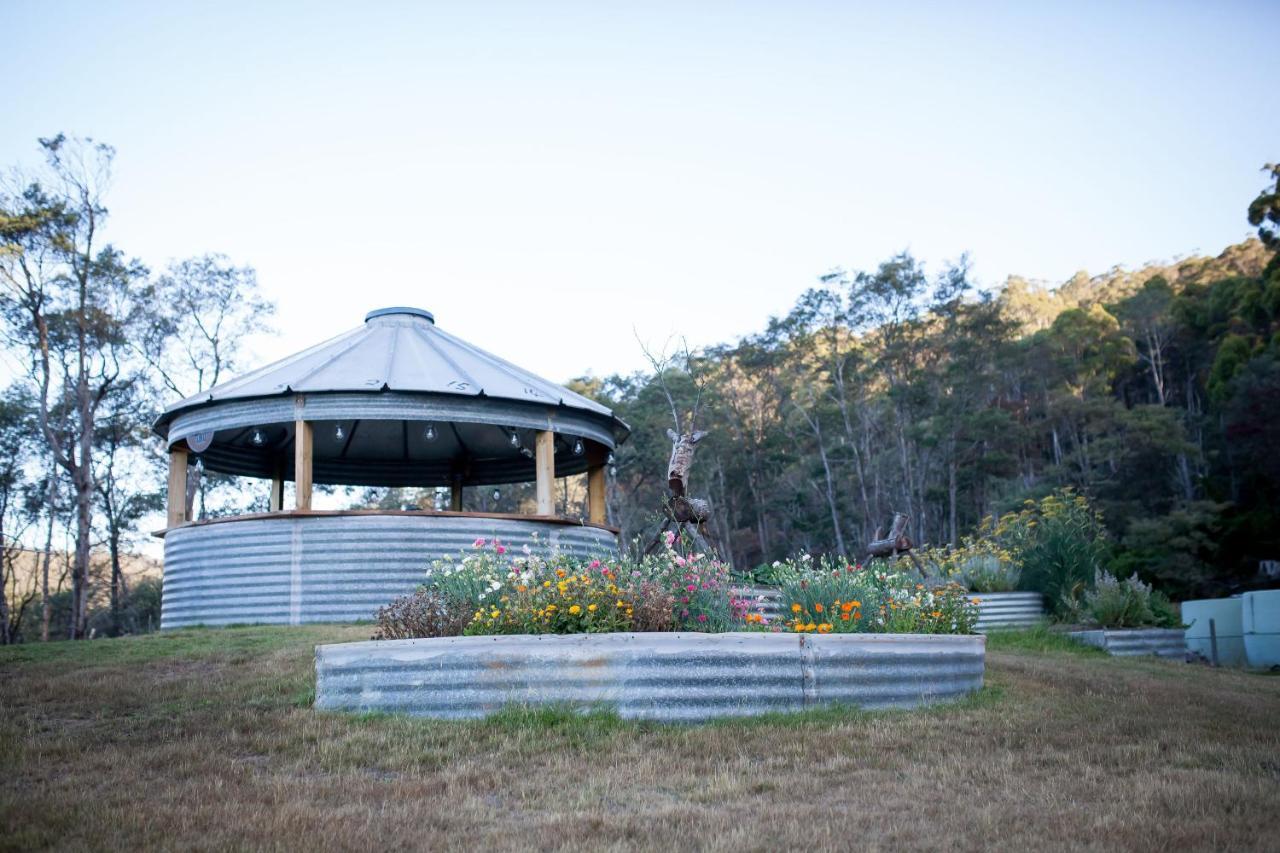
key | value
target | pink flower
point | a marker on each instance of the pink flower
(501, 549)
(595, 564)
(479, 543)
(684, 599)
(692, 587)
(702, 617)
(684, 614)
(670, 537)
(679, 561)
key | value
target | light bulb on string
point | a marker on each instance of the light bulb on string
(339, 434)
(430, 432)
(199, 465)
(256, 438)
(514, 439)
(496, 494)
(578, 447)
(526, 453)
(613, 471)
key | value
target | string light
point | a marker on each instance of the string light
(256, 438)
(514, 439)
(430, 432)
(338, 433)
(496, 494)
(578, 447)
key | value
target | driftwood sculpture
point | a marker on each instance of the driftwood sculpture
(896, 544)
(678, 508)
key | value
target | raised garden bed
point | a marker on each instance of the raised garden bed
(676, 677)
(1133, 642)
(1008, 609)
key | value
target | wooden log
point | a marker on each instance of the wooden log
(177, 502)
(597, 510)
(690, 510)
(682, 449)
(895, 542)
(544, 466)
(303, 441)
(455, 494)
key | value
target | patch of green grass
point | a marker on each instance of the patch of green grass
(1039, 640)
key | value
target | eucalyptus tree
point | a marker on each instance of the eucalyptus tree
(71, 303)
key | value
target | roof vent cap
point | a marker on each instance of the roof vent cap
(412, 312)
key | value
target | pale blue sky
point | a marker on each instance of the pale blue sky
(548, 177)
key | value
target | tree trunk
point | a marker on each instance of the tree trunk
(951, 499)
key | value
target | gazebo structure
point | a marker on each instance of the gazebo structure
(395, 402)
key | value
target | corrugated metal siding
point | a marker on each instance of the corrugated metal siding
(1132, 642)
(329, 568)
(1008, 609)
(765, 600)
(668, 677)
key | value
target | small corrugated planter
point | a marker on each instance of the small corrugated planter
(1008, 609)
(1132, 642)
(677, 677)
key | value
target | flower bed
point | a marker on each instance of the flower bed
(663, 637)
(673, 677)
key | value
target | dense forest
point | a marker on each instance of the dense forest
(1156, 393)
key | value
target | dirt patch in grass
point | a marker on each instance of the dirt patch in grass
(207, 739)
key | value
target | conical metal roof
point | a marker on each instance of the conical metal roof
(397, 349)
(395, 402)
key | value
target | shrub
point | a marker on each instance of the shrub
(1060, 544)
(979, 564)
(1130, 603)
(423, 613)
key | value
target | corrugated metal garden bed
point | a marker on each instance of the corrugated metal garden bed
(676, 677)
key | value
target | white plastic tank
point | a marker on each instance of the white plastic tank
(1226, 616)
(1260, 618)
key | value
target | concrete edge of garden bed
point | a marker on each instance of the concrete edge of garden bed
(674, 677)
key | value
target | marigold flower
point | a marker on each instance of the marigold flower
(575, 610)
(795, 608)
(818, 607)
(844, 617)
(825, 628)
(591, 608)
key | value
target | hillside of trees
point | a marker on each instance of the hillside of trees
(1155, 392)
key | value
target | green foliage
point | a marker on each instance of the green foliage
(1060, 543)
(1130, 603)
(830, 596)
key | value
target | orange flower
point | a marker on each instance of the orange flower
(847, 606)
(825, 628)
(844, 617)
(817, 607)
(795, 608)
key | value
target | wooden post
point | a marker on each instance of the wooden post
(455, 493)
(545, 471)
(596, 510)
(277, 491)
(177, 515)
(302, 442)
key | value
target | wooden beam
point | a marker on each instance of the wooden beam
(303, 439)
(597, 510)
(277, 491)
(544, 467)
(455, 494)
(177, 505)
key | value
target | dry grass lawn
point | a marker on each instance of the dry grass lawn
(205, 739)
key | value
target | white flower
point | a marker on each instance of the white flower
(525, 548)
(494, 586)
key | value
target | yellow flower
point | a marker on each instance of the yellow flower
(546, 583)
(575, 610)
(795, 608)
(591, 608)
(824, 628)
(494, 614)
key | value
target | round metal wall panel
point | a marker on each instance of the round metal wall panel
(290, 570)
